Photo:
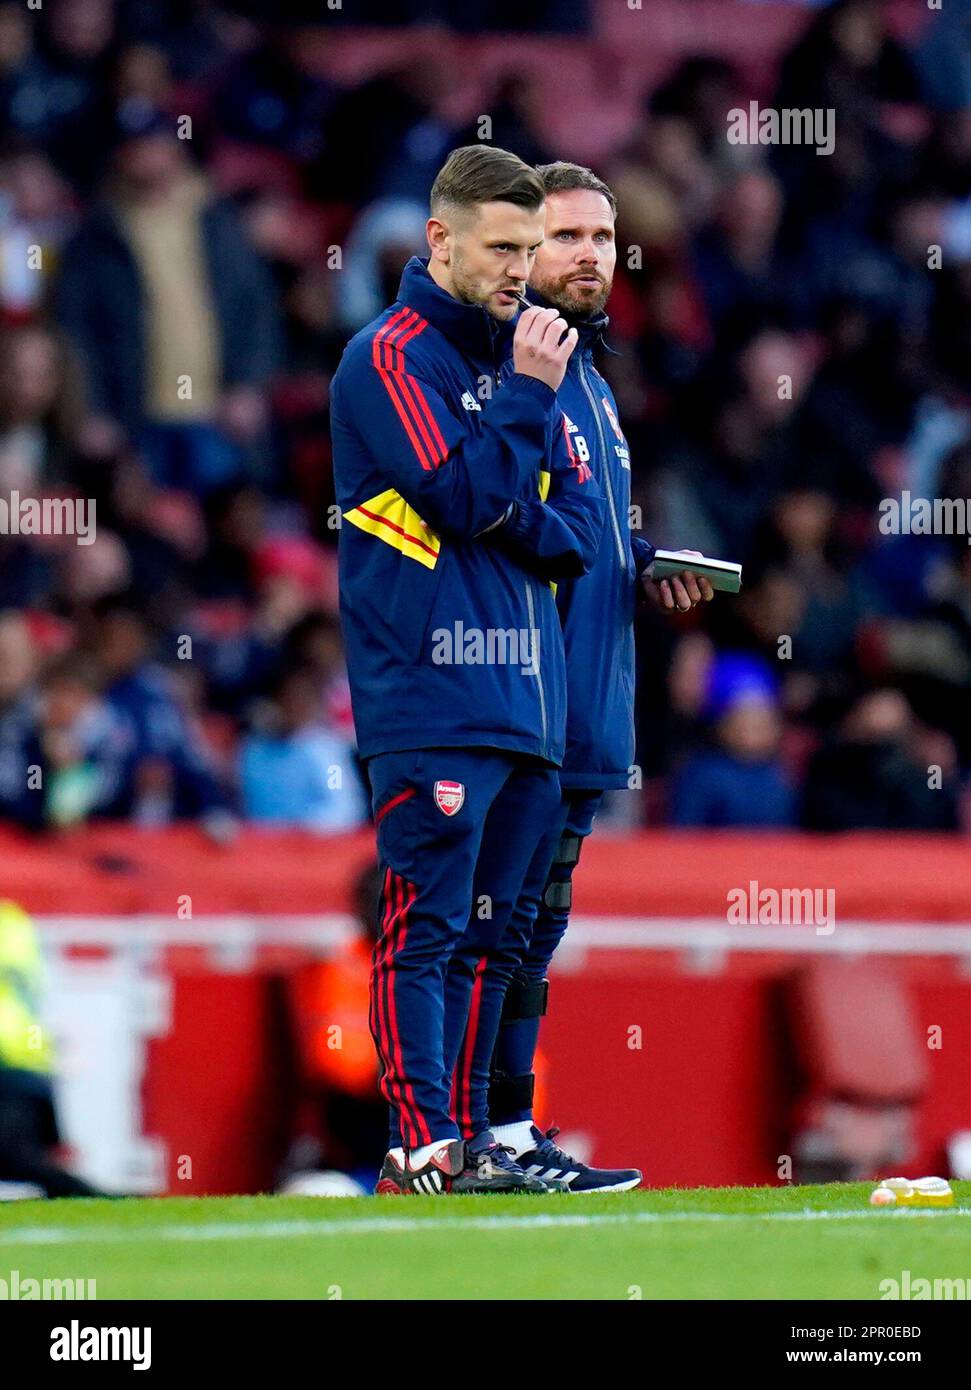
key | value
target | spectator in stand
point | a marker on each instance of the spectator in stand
(19, 663)
(384, 237)
(16, 36)
(740, 270)
(925, 649)
(701, 92)
(740, 781)
(800, 545)
(725, 474)
(39, 406)
(875, 773)
(295, 771)
(172, 312)
(848, 61)
(399, 138)
(515, 112)
(57, 94)
(270, 97)
(82, 748)
(315, 642)
(170, 774)
(36, 218)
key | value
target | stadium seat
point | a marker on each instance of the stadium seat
(859, 1052)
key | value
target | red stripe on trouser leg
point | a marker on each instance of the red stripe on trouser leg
(456, 1084)
(384, 1031)
(463, 1108)
(454, 1098)
(408, 1100)
(410, 791)
(411, 1128)
(377, 1011)
(374, 1021)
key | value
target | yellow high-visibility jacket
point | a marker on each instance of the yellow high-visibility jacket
(23, 1040)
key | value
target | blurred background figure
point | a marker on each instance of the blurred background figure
(29, 1135)
(739, 781)
(340, 1119)
(872, 775)
(170, 310)
(295, 771)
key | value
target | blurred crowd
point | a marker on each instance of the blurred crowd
(193, 221)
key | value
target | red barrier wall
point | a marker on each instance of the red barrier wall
(121, 870)
(705, 1096)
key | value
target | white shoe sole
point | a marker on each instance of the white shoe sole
(627, 1186)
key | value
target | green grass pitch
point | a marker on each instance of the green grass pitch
(705, 1243)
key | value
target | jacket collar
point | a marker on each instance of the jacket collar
(590, 331)
(472, 330)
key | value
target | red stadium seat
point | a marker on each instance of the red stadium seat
(865, 1069)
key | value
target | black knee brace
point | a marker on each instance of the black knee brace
(507, 1094)
(558, 893)
(525, 999)
(568, 850)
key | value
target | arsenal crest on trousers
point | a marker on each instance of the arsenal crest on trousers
(449, 797)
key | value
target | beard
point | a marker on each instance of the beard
(469, 290)
(570, 299)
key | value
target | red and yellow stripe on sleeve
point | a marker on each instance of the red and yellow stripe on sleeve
(389, 517)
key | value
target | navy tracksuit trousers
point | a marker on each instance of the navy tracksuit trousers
(519, 964)
(457, 831)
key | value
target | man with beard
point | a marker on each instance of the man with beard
(461, 506)
(573, 273)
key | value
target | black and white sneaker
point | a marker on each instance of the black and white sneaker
(432, 1179)
(557, 1169)
(491, 1167)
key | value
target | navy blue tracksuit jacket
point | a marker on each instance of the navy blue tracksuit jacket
(598, 613)
(424, 464)
(462, 506)
(598, 629)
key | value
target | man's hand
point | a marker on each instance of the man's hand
(536, 347)
(682, 591)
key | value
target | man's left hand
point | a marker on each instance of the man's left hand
(682, 591)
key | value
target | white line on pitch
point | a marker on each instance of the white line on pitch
(404, 1225)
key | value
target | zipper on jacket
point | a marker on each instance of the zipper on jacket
(608, 485)
(533, 629)
(492, 333)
